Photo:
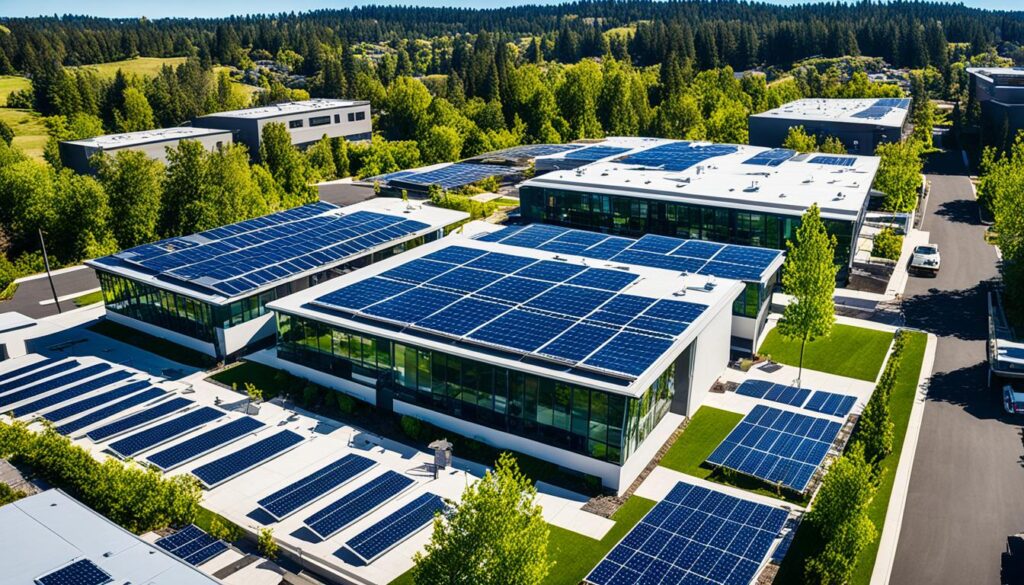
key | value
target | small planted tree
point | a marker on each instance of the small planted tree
(254, 394)
(266, 544)
(809, 277)
(495, 536)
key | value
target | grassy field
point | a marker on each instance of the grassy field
(89, 299)
(161, 347)
(258, 374)
(709, 427)
(240, 87)
(141, 66)
(900, 404)
(853, 352)
(29, 130)
(10, 84)
(574, 554)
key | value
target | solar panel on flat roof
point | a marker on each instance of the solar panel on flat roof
(203, 443)
(357, 503)
(678, 155)
(51, 384)
(80, 406)
(873, 112)
(110, 410)
(80, 572)
(71, 392)
(771, 158)
(455, 175)
(138, 419)
(630, 353)
(192, 545)
(838, 161)
(777, 446)
(314, 486)
(26, 369)
(829, 403)
(217, 472)
(531, 151)
(384, 535)
(165, 431)
(780, 393)
(595, 153)
(695, 535)
(35, 376)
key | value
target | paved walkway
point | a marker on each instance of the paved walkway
(35, 299)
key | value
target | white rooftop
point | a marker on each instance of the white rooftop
(728, 181)
(836, 110)
(653, 283)
(286, 108)
(45, 532)
(988, 72)
(108, 141)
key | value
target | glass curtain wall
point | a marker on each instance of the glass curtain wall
(157, 306)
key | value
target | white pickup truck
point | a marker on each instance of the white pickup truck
(926, 259)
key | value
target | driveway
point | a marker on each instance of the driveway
(967, 486)
(30, 292)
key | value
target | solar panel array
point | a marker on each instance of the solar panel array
(780, 393)
(678, 156)
(838, 161)
(595, 153)
(396, 527)
(902, 103)
(103, 398)
(531, 151)
(80, 572)
(26, 369)
(72, 391)
(357, 503)
(882, 107)
(50, 384)
(777, 446)
(110, 410)
(830, 403)
(38, 371)
(745, 263)
(552, 310)
(453, 176)
(165, 431)
(771, 158)
(217, 472)
(314, 486)
(132, 421)
(242, 257)
(192, 545)
(204, 443)
(694, 536)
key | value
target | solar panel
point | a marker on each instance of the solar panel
(780, 393)
(839, 161)
(417, 271)
(192, 545)
(204, 443)
(595, 153)
(113, 409)
(631, 353)
(828, 403)
(454, 175)
(26, 369)
(777, 446)
(314, 486)
(80, 572)
(530, 151)
(51, 384)
(384, 535)
(71, 392)
(463, 316)
(573, 301)
(873, 112)
(363, 293)
(522, 330)
(165, 431)
(357, 503)
(413, 305)
(610, 280)
(902, 103)
(771, 158)
(678, 156)
(80, 406)
(694, 536)
(217, 472)
(37, 375)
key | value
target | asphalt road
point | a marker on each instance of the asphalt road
(30, 293)
(967, 487)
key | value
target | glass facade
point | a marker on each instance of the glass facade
(632, 216)
(159, 307)
(592, 422)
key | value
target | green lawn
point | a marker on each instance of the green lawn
(89, 299)
(141, 66)
(574, 554)
(258, 374)
(10, 84)
(29, 131)
(709, 427)
(150, 343)
(853, 352)
(900, 405)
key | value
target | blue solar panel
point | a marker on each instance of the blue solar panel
(515, 289)
(902, 103)
(357, 503)
(114, 409)
(163, 432)
(455, 255)
(363, 293)
(829, 403)
(454, 175)
(678, 156)
(463, 317)
(204, 443)
(26, 369)
(51, 384)
(875, 112)
(839, 161)
(531, 151)
(396, 527)
(80, 406)
(466, 280)
(568, 300)
(551, 271)
(771, 158)
(522, 330)
(216, 472)
(675, 310)
(72, 392)
(608, 248)
(780, 393)
(409, 307)
(630, 353)
(80, 572)
(418, 271)
(694, 536)
(534, 236)
(504, 263)
(656, 244)
(777, 446)
(38, 375)
(314, 486)
(499, 235)
(578, 342)
(192, 545)
(595, 153)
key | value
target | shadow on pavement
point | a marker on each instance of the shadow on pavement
(960, 211)
(949, 162)
(949, 313)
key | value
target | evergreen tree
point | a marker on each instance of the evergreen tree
(133, 183)
(136, 113)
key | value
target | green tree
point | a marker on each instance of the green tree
(441, 144)
(76, 127)
(809, 278)
(407, 103)
(133, 183)
(923, 111)
(136, 113)
(832, 145)
(799, 140)
(26, 200)
(80, 228)
(286, 164)
(339, 151)
(1001, 188)
(728, 123)
(6, 134)
(266, 544)
(185, 179)
(321, 159)
(496, 535)
(899, 174)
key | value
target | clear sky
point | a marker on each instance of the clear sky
(205, 8)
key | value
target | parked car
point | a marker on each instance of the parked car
(926, 259)
(1013, 401)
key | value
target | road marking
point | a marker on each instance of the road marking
(70, 296)
(53, 272)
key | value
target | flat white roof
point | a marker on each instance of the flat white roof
(988, 72)
(729, 181)
(653, 283)
(842, 110)
(108, 141)
(47, 531)
(286, 108)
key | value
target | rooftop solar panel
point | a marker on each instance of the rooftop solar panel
(694, 536)
(357, 503)
(110, 410)
(631, 353)
(829, 403)
(678, 155)
(51, 384)
(80, 572)
(314, 486)
(384, 535)
(838, 161)
(204, 443)
(778, 446)
(108, 397)
(35, 376)
(780, 393)
(71, 392)
(873, 112)
(217, 472)
(138, 419)
(192, 545)
(455, 175)
(531, 151)
(26, 369)
(771, 158)
(166, 431)
(595, 153)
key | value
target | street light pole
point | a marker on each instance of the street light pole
(46, 262)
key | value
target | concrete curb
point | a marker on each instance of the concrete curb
(898, 500)
(53, 272)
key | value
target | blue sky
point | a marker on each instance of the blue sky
(200, 8)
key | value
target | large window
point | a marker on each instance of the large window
(599, 424)
(158, 307)
(319, 121)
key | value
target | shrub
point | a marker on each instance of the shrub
(7, 273)
(346, 404)
(412, 426)
(223, 529)
(888, 244)
(20, 99)
(310, 394)
(266, 544)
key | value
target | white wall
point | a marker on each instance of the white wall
(743, 326)
(360, 391)
(710, 357)
(173, 336)
(235, 338)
